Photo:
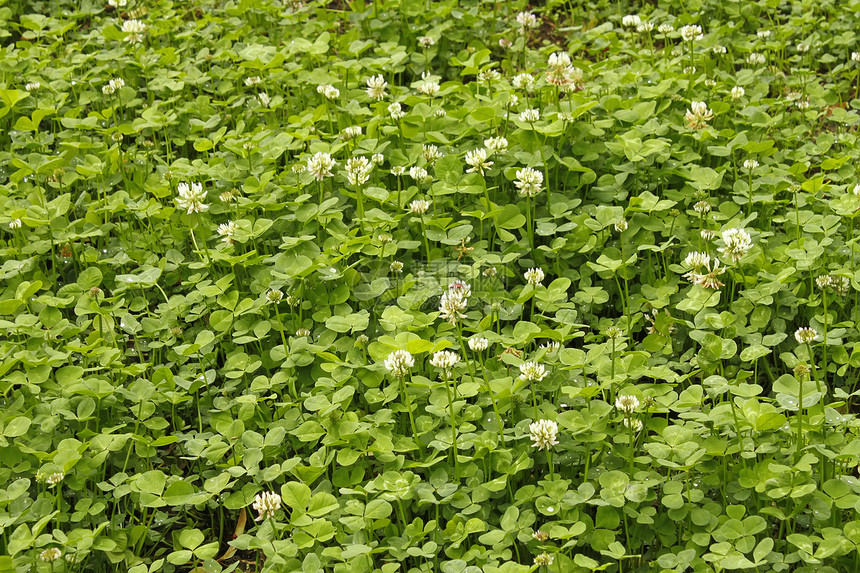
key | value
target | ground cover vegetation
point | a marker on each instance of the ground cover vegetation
(420, 285)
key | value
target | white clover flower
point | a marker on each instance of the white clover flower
(750, 164)
(756, 59)
(419, 174)
(444, 359)
(15, 224)
(621, 225)
(426, 41)
(504, 43)
(543, 434)
(376, 87)
(350, 132)
(631, 21)
(49, 555)
(274, 296)
(431, 153)
(227, 231)
(419, 206)
(251, 81)
(645, 27)
(534, 276)
(530, 371)
(118, 3)
(264, 98)
(763, 34)
(398, 170)
(112, 86)
(707, 234)
(496, 144)
(698, 115)
(32, 86)
(396, 112)
(805, 335)
(266, 504)
(358, 170)
(544, 559)
(530, 115)
(552, 346)
(134, 30)
(191, 198)
(634, 424)
(708, 275)
(690, 70)
(718, 49)
(802, 47)
(697, 260)
(396, 267)
(377, 158)
(478, 344)
(627, 403)
(489, 76)
(702, 207)
(428, 85)
(526, 20)
(320, 165)
(440, 113)
(558, 60)
(523, 81)
(529, 181)
(452, 304)
(513, 100)
(738, 92)
(328, 91)
(823, 281)
(477, 160)
(55, 478)
(399, 362)
(691, 32)
(737, 244)
(665, 28)
(855, 56)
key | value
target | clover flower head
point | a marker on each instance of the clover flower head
(805, 335)
(534, 276)
(631, 21)
(252, 81)
(134, 30)
(419, 206)
(478, 344)
(350, 132)
(855, 56)
(489, 76)
(552, 346)
(526, 20)
(477, 161)
(702, 207)
(698, 115)
(303, 332)
(524, 81)
(227, 231)
(399, 362)
(419, 174)
(274, 296)
(756, 59)
(697, 260)
(377, 158)
(738, 92)
(15, 224)
(431, 152)
(328, 91)
(49, 555)
(707, 274)
(32, 86)
(634, 424)
(532, 371)
(665, 28)
(691, 32)
(530, 115)
(544, 559)
(529, 181)
(544, 434)
(428, 85)
(395, 110)
(444, 359)
(620, 225)
(763, 34)
(358, 170)
(707, 234)
(55, 478)
(426, 41)
(320, 165)
(802, 47)
(750, 164)
(376, 87)
(113, 86)
(118, 3)
(645, 27)
(718, 49)
(191, 198)
(627, 403)
(396, 267)
(266, 504)
(504, 43)
(452, 304)
(737, 244)
(496, 144)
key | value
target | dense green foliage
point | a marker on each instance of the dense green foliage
(233, 333)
